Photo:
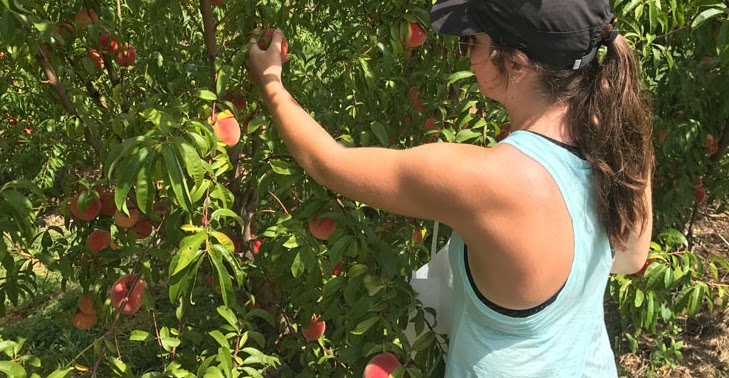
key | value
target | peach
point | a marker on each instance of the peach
(381, 366)
(86, 17)
(418, 234)
(266, 40)
(226, 128)
(108, 43)
(142, 229)
(415, 35)
(127, 221)
(98, 240)
(108, 207)
(126, 55)
(86, 304)
(322, 228)
(66, 31)
(121, 291)
(315, 329)
(84, 321)
(87, 214)
(96, 59)
(337, 268)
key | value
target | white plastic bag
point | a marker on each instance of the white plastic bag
(433, 285)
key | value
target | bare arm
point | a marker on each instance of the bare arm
(632, 259)
(420, 182)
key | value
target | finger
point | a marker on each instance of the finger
(277, 40)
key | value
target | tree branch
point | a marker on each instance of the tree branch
(63, 96)
(206, 11)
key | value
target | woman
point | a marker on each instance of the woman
(540, 219)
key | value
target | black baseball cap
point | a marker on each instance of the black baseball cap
(557, 32)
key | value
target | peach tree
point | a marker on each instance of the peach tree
(191, 231)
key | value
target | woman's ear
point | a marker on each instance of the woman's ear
(517, 68)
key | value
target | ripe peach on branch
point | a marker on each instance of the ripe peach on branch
(225, 127)
(127, 294)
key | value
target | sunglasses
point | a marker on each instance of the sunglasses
(466, 43)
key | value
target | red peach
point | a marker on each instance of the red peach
(86, 304)
(120, 292)
(98, 240)
(381, 366)
(108, 43)
(226, 128)
(90, 213)
(127, 221)
(86, 17)
(84, 321)
(96, 59)
(415, 35)
(126, 55)
(315, 329)
(322, 228)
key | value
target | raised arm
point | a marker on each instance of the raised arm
(420, 182)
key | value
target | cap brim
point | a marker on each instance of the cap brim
(450, 17)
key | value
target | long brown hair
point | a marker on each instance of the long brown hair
(611, 122)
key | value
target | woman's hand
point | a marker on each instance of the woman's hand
(265, 65)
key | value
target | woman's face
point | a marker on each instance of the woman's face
(491, 83)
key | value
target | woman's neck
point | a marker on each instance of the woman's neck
(546, 120)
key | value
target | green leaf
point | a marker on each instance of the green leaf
(373, 284)
(177, 179)
(189, 250)
(226, 285)
(120, 151)
(224, 240)
(219, 337)
(297, 267)
(61, 372)
(424, 341)
(138, 335)
(206, 95)
(225, 356)
(695, 300)
(128, 172)
(706, 15)
(380, 132)
(193, 162)
(363, 326)
(280, 167)
(357, 269)
(213, 372)
(229, 316)
(145, 189)
(226, 213)
(12, 369)
(460, 75)
(639, 296)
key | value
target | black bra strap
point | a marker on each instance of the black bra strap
(573, 149)
(502, 310)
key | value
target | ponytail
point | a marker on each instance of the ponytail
(611, 122)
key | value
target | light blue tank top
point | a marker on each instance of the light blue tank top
(567, 338)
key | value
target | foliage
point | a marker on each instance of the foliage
(142, 132)
(675, 284)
